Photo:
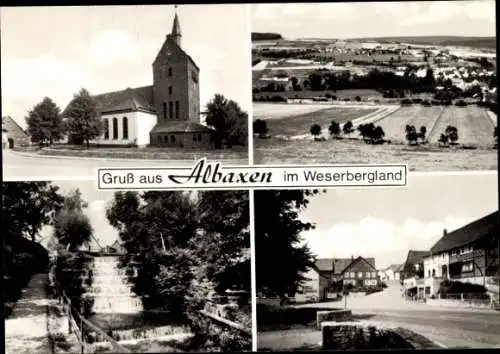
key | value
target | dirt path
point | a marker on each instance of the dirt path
(26, 330)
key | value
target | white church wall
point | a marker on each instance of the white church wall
(145, 123)
(132, 129)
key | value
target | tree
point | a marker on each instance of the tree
(72, 228)
(83, 120)
(315, 131)
(366, 131)
(280, 258)
(27, 206)
(378, 135)
(423, 132)
(45, 122)
(348, 127)
(334, 129)
(357, 98)
(443, 140)
(452, 133)
(260, 128)
(228, 120)
(411, 134)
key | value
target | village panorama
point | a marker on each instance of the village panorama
(427, 100)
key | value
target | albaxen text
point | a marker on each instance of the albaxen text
(213, 175)
(204, 172)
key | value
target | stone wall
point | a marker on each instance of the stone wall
(362, 336)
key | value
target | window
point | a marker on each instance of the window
(194, 137)
(352, 275)
(367, 274)
(171, 110)
(170, 90)
(374, 274)
(169, 71)
(159, 139)
(199, 137)
(165, 139)
(429, 273)
(360, 274)
(176, 109)
(172, 139)
(106, 128)
(194, 76)
(115, 128)
(125, 127)
(467, 267)
(164, 110)
(433, 272)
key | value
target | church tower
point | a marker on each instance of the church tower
(176, 91)
(176, 30)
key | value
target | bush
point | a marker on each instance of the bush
(461, 103)
(357, 98)
(457, 287)
(417, 100)
(406, 102)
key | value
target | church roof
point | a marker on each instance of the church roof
(166, 50)
(176, 27)
(133, 99)
(180, 127)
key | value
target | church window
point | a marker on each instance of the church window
(165, 139)
(194, 137)
(169, 71)
(170, 90)
(125, 127)
(194, 76)
(115, 128)
(164, 110)
(199, 137)
(177, 109)
(172, 138)
(171, 109)
(106, 128)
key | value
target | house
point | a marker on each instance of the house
(115, 248)
(469, 254)
(360, 272)
(392, 272)
(166, 113)
(412, 271)
(12, 134)
(316, 283)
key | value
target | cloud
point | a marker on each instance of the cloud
(385, 240)
(112, 46)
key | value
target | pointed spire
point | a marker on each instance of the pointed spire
(176, 29)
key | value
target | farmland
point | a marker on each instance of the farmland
(287, 122)
(419, 158)
(340, 94)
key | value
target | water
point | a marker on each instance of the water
(110, 289)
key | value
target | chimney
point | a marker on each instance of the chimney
(445, 232)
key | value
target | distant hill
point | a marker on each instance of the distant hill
(260, 36)
(476, 42)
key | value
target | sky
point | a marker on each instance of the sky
(55, 51)
(98, 202)
(386, 223)
(376, 19)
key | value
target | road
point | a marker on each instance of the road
(449, 327)
(467, 329)
(21, 166)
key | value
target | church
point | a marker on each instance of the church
(166, 113)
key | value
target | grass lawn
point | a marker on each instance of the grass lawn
(149, 153)
(301, 124)
(419, 158)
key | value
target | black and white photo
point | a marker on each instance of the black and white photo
(413, 268)
(416, 82)
(102, 86)
(90, 271)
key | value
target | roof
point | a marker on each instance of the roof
(338, 265)
(325, 264)
(180, 127)
(370, 261)
(415, 257)
(176, 27)
(12, 128)
(135, 99)
(170, 44)
(476, 230)
(394, 267)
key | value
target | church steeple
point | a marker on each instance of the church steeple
(176, 29)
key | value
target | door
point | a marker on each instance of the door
(444, 271)
(11, 143)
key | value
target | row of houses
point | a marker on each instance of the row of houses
(469, 254)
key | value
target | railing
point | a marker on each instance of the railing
(77, 324)
(227, 323)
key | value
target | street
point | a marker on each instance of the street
(451, 329)
(20, 166)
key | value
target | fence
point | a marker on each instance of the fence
(82, 327)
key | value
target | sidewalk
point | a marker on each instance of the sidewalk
(26, 330)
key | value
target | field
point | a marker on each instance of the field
(284, 120)
(419, 158)
(340, 94)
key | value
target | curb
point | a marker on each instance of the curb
(34, 155)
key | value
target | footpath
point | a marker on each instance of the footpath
(27, 329)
